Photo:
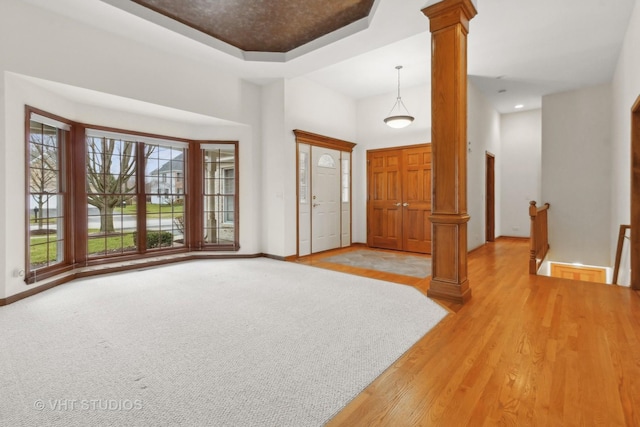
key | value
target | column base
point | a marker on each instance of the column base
(459, 294)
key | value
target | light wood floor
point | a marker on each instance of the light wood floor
(526, 350)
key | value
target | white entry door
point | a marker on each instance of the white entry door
(325, 199)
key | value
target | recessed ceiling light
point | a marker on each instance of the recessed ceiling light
(519, 106)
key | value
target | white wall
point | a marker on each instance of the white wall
(4, 179)
(287, 105)
(483, 134)
(274, 158)
(312, 108)
(42, 44)
(625, 91)
(483, 131)
(521, 145)
(373, 133)
(57, 48)
(576, 174)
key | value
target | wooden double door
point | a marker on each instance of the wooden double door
(399, 198)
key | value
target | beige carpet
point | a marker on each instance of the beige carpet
(204, 343)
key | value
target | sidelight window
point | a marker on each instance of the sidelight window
(220, 188)
(47, 139)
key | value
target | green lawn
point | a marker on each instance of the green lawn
(116, 243)
(111, 244)
(38, 250)
(166, 211)
(33, 220)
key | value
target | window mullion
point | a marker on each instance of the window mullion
(141, 197)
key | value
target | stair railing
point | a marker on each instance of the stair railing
(539, 237)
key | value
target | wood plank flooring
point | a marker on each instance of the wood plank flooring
(526, 350)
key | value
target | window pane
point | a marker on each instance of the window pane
(219, 198)
(345, 180)
(165, 196)
(303, 170)
(111, 196)
(46, 195)
(326, 161)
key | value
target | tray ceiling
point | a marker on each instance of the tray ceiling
(263, 25)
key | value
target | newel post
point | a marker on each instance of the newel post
(533, 264)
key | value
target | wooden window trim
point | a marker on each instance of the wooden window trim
(314, 139)
(75, 219)
(304, 137)
(65, 157)
(198, 188)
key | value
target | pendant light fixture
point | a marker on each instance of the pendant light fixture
(399, 116)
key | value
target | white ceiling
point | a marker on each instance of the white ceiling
(528, 48)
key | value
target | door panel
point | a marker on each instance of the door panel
(385, 199)
(417, 199)
(325, 199)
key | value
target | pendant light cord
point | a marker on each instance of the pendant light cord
(399, 102)
(399, 67)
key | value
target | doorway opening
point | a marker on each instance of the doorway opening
(635, 195)
(490, 209)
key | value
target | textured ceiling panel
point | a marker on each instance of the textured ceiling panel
(263, 25)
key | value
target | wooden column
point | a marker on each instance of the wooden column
(449, 24)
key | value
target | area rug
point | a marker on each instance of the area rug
(204, 343)
(389, 262)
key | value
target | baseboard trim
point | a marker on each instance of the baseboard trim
(281, 258)
(115, 268)
(512, 238)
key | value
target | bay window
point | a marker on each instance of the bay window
(98, 195)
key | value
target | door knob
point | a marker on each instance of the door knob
(405, 204)
(316, 204)
(398, 204)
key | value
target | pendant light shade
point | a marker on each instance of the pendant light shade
(399, 116)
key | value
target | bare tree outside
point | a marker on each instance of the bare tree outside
(43, 168)
(111, 172)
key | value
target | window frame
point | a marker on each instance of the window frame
(198, 230)
(75, 221)
(65, 183)
(227, 194)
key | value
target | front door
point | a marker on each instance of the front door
(399, 199)
(325, 199)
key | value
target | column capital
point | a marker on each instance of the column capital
(450, 12)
